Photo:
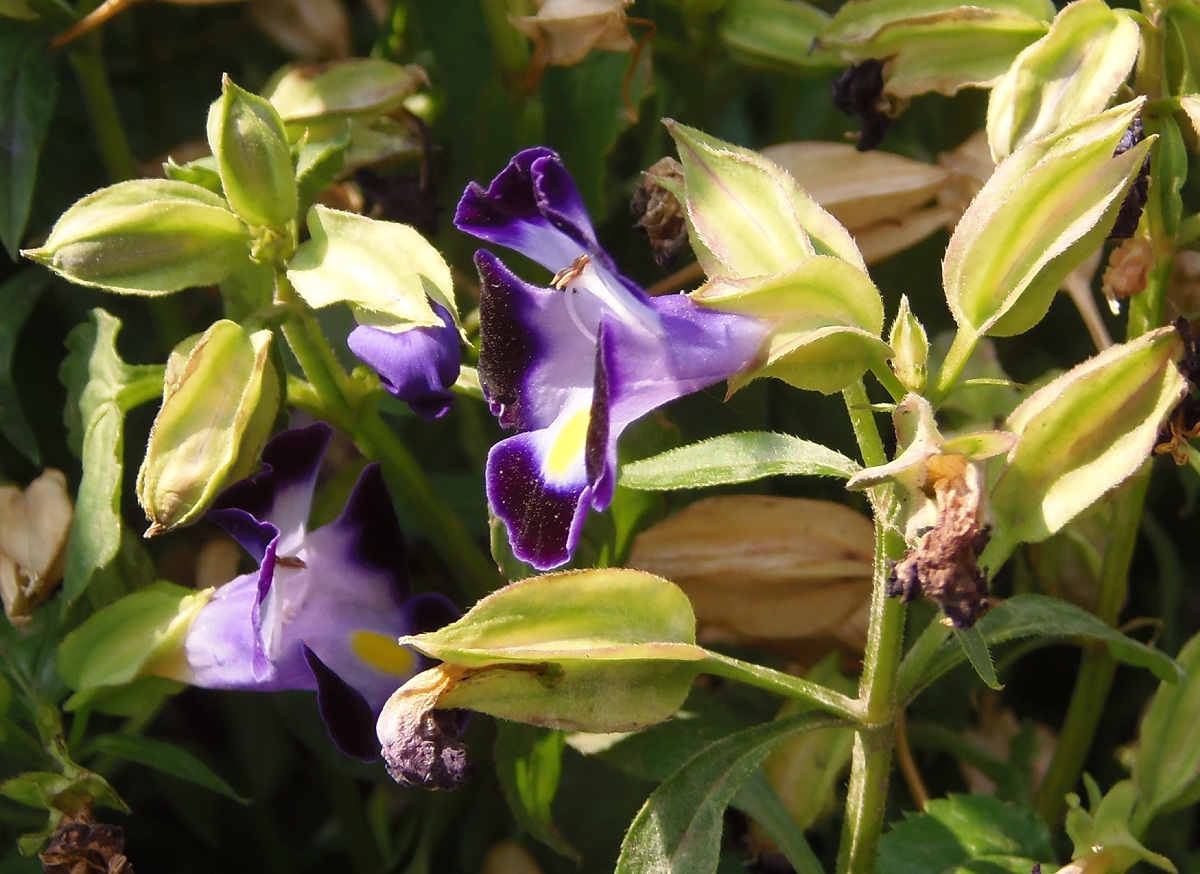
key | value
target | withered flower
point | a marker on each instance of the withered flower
(660, 215)
(1184, 422)
(1135, 199)
(859, 91)
(79, 843)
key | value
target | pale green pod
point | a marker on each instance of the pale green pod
(1045, 208)
(825, 315)
(777, 34)
(1085, 433)
(321, 101)
(220, 397)
(146, 236)
(1069, 74)
(936, 45)
(248, 139)
(385, 271)
(748, 216)
(910, 348)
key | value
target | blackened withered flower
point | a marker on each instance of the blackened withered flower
(1130, 212)
(944, 565)
(1184, 421)
(859, 91)
(660, 215)
(79, 843)
(422, 746)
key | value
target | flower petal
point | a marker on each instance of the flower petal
(347, 716)
(276, 500)
(543, 511)
(418, 366)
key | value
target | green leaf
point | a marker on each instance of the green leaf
(975, 833)
(1105, 831)
(19, 294)
(735, 458)
(775, 34)
(759, 800)
(678, 829)
(386, 272)
(1046, 620)
(1167, 761)
(977, 654)
(165, 757)
(528, 763)
(27, 93)
(317, 166)
(53, 791)
(97, 381)
(146, 236)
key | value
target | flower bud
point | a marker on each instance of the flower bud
(146, 236)
(220, 396)
(254, 159)
(1070, 73)
(1085, 433)
(911, 349)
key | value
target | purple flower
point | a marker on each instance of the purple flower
(417, 366)
(325, 608)
(570, 366)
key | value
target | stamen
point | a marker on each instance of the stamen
(564, 277)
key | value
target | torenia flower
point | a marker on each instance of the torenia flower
(418, 366)
(571, 365)
(325, 607)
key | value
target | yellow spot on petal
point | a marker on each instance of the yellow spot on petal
(569, 442)
(383, 653)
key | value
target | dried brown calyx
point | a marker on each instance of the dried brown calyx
(660, 215)
(80, 845)
(944, 565)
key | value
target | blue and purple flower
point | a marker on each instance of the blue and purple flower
(325, 607)
(571, 365)
(418, 366)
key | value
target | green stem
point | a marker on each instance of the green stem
(871, 762)
(473, 570)
(952, 367)
(1096, 671)
(88, 63)
(779, 683)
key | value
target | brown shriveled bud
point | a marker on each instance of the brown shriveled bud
(1183, 288)
(944, 565)
(660, 215)
(509, 857)
(1128, 266)
(421, 746)
(80, 844)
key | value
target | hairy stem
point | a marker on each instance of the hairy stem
(875, 741)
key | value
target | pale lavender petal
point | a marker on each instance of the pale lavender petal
(533, 361)
(417, 366)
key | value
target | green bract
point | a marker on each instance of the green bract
(386, 272)
(1046, 207)
(247, 138)
(1084, 433)
(362, 88)
(147, 236)
(826, 316)
(747, 217)
(1070, 73)
(220, 396)
(936, 45)
(601, 650)
(910, 349)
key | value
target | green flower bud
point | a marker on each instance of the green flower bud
(777, 34)
(910, 347)
(602, 650)
(146, 236)
(1069, 74)
(220, 396)
(1045, 208)
(826, 316)
(385, 271)
(127, 641)
(1085, 433)
(748, 217)
(320, 99)
(936, 45)
(254, 159)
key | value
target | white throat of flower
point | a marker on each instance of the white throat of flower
(582, 276)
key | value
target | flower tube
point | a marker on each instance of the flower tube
(569, 366)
